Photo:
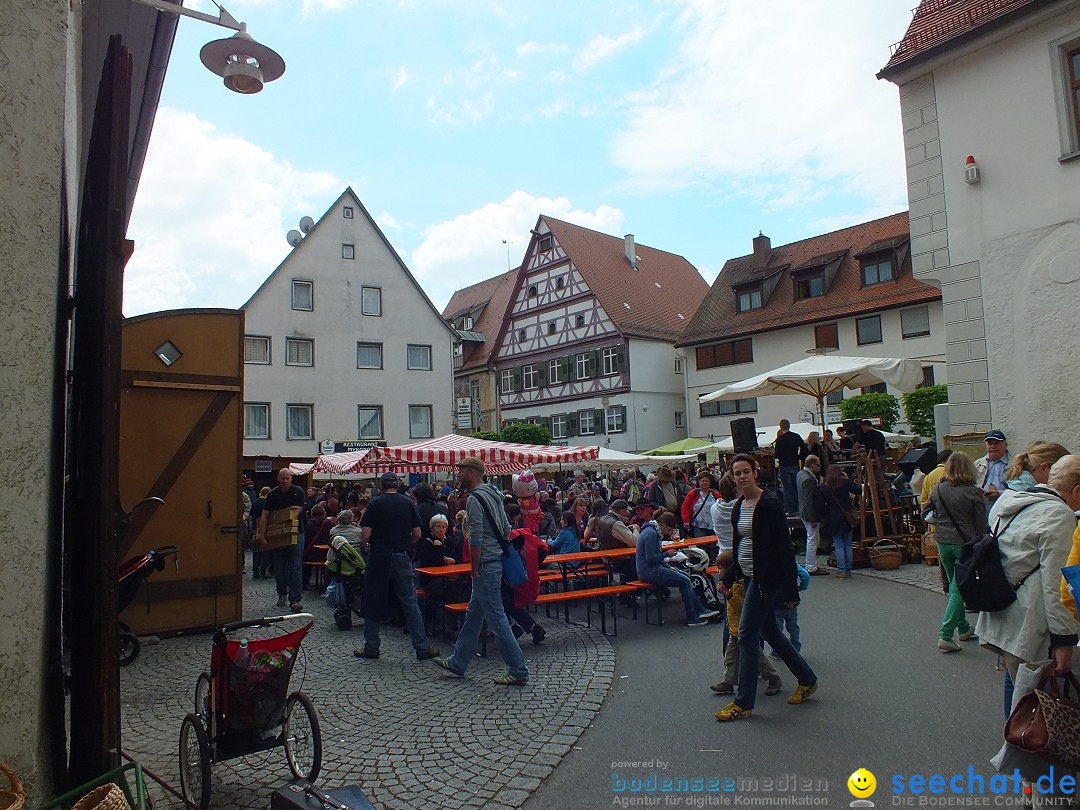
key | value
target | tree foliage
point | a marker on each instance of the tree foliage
(919, 408)
(525, 433)
(487, 435)
(866, 406)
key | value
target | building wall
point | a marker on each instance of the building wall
(1005, 251)
(782, 346)
(35, 41)
(463, 386)
(334, 384)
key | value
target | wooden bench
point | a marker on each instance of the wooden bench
(650, 589)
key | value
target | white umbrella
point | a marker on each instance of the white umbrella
(820, 375)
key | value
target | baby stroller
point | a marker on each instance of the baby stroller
(344, 592)
(132, 574)
(243, 706)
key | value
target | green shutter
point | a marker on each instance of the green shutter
(624, 425)
(541, 373)
(600, 420)
(571, 424)
(517, 378)
(620, 358)
(594, 363)
(567, 364)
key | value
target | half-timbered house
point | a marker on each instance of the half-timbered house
(587, 342)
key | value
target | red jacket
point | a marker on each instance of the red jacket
(532, 549)
(690, 503)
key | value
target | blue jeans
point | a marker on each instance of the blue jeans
(842, 550)
(288, 562)
(788, 619)
(485, 604)
(662, 575)
(402, 580)
(791, 489)
(758, 620)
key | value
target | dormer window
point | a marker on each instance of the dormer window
(877, 270)
(811, 286)
(467, 324)
(749, 299)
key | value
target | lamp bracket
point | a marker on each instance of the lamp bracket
(224, 19)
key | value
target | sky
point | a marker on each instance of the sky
(693, 124)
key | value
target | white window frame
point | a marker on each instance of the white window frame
(555, 370)
(615, 419)
(680, 365)
(263, 340)
(369, 344)
(289, 341)
(530, 377)
(289, 435)
(347, 212)
(583, 417)
(348, 251)
(377, 409)
(408, 357)
(265, 407)
(680, 420)
(579, 320)
(431, 422)
(300, 283)
(506, 380)
(609, 362)
(559, 425)
(751, 302)
(907, 335)
(364, 303)
(581, 366)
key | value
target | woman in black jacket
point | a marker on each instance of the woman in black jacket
(765, 558)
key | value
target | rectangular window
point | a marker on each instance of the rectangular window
(615, 418)
(558, 426)
(680, 365)
(750, 299)
(868, 330)
(1073, 76)
(369, 422)
(299, 352)
(579, 321)
(555, 369)
(530, 378)
(810, 287)
(834, 397)
(826, 336)
(348, 251)
(678, 419)
(915, 322)
(369, 355)
(256, 420)
(371, 300)
(877, 271)
(506, 378)
(299, 421)
(347, 212)
(420, 422)
(581, 366)
(303, 295)
(586, 423)
(927, 377)
(728, 407)
(257, 349)
(543, 245)
(880, 388)
(418, 358)
(732, 353)
(610, 362)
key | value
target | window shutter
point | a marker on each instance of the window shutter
(704, 357)
(571, 424)
(743, 351)
(546, 422)
(620, 359)
(541, 374)
(517, 378)
(600, 420)
(567, 365)
(594, 363)
(624, 426)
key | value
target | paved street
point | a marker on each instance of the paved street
(412, 738)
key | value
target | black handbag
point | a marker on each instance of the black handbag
(304, 796)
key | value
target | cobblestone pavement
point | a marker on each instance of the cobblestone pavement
(401, 729)
(918, 575)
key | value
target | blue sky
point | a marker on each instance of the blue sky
(690, 123)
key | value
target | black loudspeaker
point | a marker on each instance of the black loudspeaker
(853, 428)
(744, 434)
(923, 458)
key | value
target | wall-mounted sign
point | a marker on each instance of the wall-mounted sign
(464, 421)
(464, 405)
(263, 466)
(326, 447)
(355, 447)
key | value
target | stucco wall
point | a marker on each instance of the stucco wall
(33, 49)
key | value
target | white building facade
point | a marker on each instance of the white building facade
(998, 82)
(343, 348)
(587, 344)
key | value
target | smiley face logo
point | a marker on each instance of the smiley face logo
(862, 783)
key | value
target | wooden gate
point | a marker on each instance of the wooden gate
(181, 423)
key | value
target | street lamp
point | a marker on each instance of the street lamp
(245, 64)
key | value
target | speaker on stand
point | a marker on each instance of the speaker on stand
(744, 434)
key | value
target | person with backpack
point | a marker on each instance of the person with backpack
(961, 517)
(1034, 532)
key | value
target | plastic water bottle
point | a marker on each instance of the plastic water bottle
(243, 656)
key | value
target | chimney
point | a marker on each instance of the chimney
(762, 249)
(631, 250)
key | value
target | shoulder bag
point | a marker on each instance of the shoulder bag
(849, 514)
(513, 566)
(1047, 723)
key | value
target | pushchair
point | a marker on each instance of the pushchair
(344, 592)
(132, 575)
(243, 706)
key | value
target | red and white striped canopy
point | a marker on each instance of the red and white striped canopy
(445, 452)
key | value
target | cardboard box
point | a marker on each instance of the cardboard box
(283, 527)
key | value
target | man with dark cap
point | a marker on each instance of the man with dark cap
(390, 527)
(613, 532)
(990, 469)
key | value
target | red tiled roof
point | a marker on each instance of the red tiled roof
(664, 286)
(717, 317)
(937, 22)
(493, 294)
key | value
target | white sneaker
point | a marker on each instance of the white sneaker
(947, 645)
(709, 614)
(699, 622)
(968, 635)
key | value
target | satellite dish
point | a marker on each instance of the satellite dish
(294, 237)
(306, 224)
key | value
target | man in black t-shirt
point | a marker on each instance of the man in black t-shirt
(872, 438)
(789, 450)
(390, 526)
(287, 561)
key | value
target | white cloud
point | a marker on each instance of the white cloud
(210, 226)
(401, 76)
(783, 114)
(601, 47)
(471, 247)
(387, 220)
(532, 48)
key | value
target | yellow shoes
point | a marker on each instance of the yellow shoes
(733, 711)
(801, 694)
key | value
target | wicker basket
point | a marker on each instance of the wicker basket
(14, 798)
(106, 797)
(929, 549)
(885, 554)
